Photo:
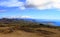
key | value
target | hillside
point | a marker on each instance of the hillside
(23, 28)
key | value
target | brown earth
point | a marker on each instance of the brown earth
(37, 32)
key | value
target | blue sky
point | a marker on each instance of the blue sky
(44, 9)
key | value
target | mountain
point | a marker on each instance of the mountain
(54, 22)
(18, 27)
(44, 21)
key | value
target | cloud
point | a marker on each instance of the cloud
(17, 17)
(2, 10)
(43, 4)
(37, 4)
(12, 3)
(26, 17)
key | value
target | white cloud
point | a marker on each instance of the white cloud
(12, 3)
(17, 17)
(26, 17)
(38, 4)
(44, 4)
(2, 10)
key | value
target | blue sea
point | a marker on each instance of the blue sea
(55, 22)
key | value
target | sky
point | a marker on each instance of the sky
(37, 9)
